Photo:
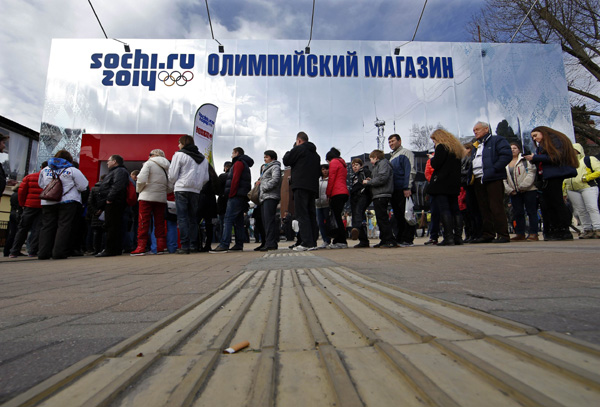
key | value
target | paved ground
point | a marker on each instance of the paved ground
(55, 313)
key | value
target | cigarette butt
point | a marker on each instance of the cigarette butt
(237, 347)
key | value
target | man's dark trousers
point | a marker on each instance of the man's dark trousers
(30, 220)
(113, 224)
(406, 232)
(490, 196)
(359, 218)
(306, 214)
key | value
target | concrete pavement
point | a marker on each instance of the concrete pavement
(55, 313)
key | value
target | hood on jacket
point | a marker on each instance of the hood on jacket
(192, 151)
(310, 146)
(163, 162)
(268, 165)
(58, 163)
(248, 160)
(579, 148)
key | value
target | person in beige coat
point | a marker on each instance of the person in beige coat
(519, 186)
(153, 186)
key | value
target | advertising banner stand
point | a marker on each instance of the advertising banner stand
(204, 127)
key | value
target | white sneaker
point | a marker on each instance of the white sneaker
(323, 245)
(342, 245)
(300, 248)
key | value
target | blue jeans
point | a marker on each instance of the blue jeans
(186, 204)
(234, 217)
(322, 214)
(521, 202)
(434, 225)
(172, 236)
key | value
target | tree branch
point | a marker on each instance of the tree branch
(585, 94)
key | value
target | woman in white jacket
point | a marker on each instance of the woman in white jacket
(519, 186)
(58, 216)
(153, 186)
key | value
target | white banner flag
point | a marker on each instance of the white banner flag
(204, 127)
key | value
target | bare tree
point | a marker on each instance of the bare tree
(574, 24)
(420, 136)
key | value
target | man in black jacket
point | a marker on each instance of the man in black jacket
(237, 186)
(113, 194)
(306, 170)
(221, 198)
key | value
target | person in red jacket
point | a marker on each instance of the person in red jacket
(434, 225)
(337, 192)
(29, 199)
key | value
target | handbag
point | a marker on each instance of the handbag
(331, 225)
(54, 190)
(254, 193)
(409, 212)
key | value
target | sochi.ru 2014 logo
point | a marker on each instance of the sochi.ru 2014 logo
(175, 77)
(140, 69)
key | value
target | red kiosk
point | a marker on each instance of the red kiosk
(96, 149)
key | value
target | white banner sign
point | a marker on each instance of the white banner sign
(204, 127)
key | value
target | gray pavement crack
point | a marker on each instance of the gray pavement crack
(21, 355)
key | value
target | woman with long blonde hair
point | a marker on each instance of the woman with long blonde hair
(444, 186)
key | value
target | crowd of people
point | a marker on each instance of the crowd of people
(467, 187)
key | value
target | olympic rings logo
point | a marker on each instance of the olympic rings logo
(175, 77)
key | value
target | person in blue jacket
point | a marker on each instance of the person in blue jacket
(556, 160)
(403, 165)
(491, 155)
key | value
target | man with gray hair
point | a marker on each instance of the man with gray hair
(491, 155)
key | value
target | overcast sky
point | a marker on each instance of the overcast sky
(28, 26)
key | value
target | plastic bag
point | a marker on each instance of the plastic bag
(409, 212)
(331, 225)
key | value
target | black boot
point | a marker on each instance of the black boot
(363, 237)
(550, 233)
(448, 225)
(564, 234)
(458, 229)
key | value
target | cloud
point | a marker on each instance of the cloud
(28, 27)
